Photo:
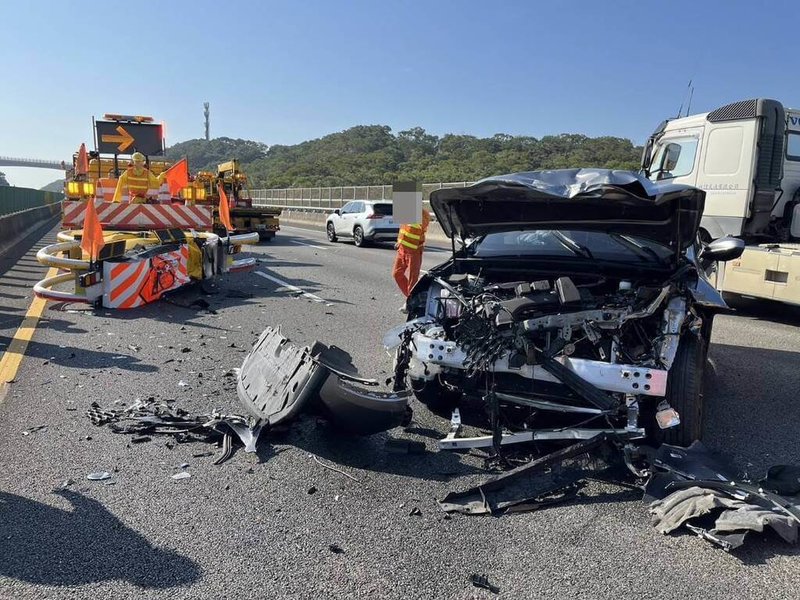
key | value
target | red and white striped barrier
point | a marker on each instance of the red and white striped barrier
(135, 283)
(124, 216)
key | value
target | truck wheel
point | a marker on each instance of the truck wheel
(439, 399)
(685, 392)
(331, 231)
(358, 236)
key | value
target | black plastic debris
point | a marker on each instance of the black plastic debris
(541, 482)
(415, 512)
(782, 479)
(482, 581)
(336, 549)
(278, 380)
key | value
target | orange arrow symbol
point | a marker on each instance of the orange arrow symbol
(124, 139)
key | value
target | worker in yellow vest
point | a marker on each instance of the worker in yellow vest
(137, 183)
(410, 244)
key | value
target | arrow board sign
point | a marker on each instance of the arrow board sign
(114, 137)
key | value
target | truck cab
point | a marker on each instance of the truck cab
(745, 156)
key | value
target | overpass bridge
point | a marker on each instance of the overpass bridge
(7, 161)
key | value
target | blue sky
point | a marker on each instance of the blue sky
(284, 72)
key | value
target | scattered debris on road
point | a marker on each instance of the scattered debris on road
(34, 429)
(335, 469)
(689, 487)
(145, 418)
(684, 486)
(481, 581)
(182, 475)
(99, 476)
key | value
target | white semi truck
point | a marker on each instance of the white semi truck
(746, 156)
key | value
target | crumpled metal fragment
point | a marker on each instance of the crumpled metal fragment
(151, 417)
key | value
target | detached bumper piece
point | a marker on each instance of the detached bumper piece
(279, 380)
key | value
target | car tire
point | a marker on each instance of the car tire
(331, 231)
(439, 399)
(358, 236)
(685, 392)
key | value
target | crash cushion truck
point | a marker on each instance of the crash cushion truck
(746, 157)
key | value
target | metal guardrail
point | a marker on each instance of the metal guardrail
(326, 199)
(8, 161)
(15, 199)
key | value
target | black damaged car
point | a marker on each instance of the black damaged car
(576, 301)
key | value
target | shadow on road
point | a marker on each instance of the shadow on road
(69, 356)
(751, 404)
(50, 546)
(368, 452)
(765, 310)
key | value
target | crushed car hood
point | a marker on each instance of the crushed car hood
(583, 199)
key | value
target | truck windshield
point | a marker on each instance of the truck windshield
(673, 158)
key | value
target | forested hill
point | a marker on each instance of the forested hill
(372, 154)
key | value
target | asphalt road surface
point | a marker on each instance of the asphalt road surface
(250, 528)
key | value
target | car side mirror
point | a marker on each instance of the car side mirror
(337, 212)
(723, 249)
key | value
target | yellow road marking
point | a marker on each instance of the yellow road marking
(12, 358)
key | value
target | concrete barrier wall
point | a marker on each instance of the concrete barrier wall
(317, 220)
(19, 225)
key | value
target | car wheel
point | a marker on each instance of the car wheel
(685, 392)
(358, 236)
(331, 230)
(435, 396)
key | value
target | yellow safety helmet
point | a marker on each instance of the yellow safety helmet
(137, 157)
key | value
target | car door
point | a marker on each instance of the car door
(349, 218)
(338, 220)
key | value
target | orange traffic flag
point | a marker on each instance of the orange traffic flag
(82, 164)
(224, 208)
(177, 177)
(92, 241)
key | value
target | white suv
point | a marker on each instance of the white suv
(364, 221)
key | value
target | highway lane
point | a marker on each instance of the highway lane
(250, 528)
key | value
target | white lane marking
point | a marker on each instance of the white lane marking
(291, 287)
(309, 245)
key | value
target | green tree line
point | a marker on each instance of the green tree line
(374, 155)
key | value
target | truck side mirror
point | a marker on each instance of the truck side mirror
(723, 249)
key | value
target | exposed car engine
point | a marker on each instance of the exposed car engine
(537, 344)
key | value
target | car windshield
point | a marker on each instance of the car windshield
(384, 210)
(586, 244)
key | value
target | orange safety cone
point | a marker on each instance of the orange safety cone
(82, 165)
(224, 208)
(92, 241)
